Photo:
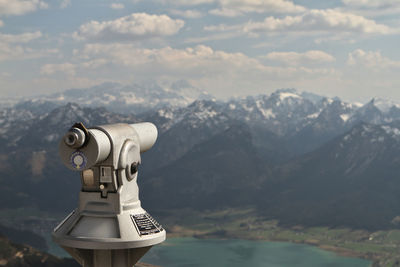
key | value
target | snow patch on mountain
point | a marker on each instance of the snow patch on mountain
(130, 98)
(380, 139)
(385, 105)
(393, 131)
(345, 117)
(166, 113)
(206, 114)
(283, 96)
(313, 115)
(267, 113)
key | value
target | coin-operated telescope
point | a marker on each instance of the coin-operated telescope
(109, 228)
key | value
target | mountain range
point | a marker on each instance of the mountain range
(298, 157)
(132, 98)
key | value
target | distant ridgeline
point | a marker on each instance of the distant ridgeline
(25, 237)
(298, 157)
(16, 255)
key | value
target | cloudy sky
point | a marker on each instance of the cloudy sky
(345, 48)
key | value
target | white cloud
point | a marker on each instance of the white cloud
(294, 58)
(369, 73)
(319, 21)
(132, 27)
(344, 38)
(212, 37)
(186, 2)
(371, 3)
(1, 23)
(198, 60)
(224, 12)
(239, 7)
(117, 6)
(65, 3)
(328, 25)
(175, 60)
(200, 64)
(17, 52)
(7, 52)
(11, 48)
(20, 7)
(221, 28)
(66, 68)
(231, 8)
(5, 74)
(95, 63)
(20, 38)
(373, 8)
(190, 14)
(13, 52)
(371, 59)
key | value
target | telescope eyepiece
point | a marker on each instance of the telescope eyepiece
(70, 138)
(75, 138)
(134, 168)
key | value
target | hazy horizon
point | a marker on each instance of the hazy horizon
(41, 96)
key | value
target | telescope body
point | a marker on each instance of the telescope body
(109, 227)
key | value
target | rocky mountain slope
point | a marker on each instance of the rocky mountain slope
(299, 157)
(351, 180)
(16, 255)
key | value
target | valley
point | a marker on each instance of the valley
(381, 247)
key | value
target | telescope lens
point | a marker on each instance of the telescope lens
(134, 168)
(75, 138)
(70, 139)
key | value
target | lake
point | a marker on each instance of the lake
(191, 252)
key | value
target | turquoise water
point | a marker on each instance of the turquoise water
(191, 252)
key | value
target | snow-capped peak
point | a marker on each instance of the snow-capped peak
(283, 96)
(286, 93)
(131, 98)
(384, 105)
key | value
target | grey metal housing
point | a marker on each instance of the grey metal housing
(109, 227)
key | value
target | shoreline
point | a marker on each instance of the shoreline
(381, 248)
(337, 250)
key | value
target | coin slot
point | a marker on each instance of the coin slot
(105, 174)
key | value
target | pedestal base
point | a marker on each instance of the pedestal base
(107, 258)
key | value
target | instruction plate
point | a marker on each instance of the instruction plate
(145, 224)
